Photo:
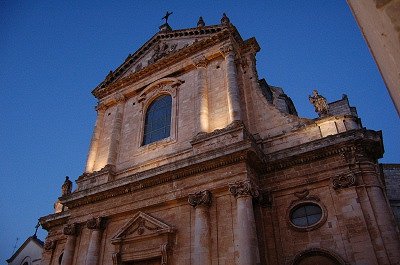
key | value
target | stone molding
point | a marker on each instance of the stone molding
(98, 223)
(70, 229)
(143, 230)
(201, 198)
(343, 181)
(369, 141)
(49, 245)
(316, 251)
(204, 135)
(243, 188)
(164, 174)
(112, 85)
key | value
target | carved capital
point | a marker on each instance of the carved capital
(101, 107)
(200, 61)
(70, 229)
(49, 245)
(243, 188)
(343, 181)
(119, 98)
(200, 198)
(96, 223)
(227, 50)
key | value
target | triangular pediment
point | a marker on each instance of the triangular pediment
(159, 46)
(140, 226)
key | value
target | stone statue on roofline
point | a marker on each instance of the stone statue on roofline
(66, 188)
(320, 103)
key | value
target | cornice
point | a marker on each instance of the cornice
(243, 150)
(53, 220)
(367, 141)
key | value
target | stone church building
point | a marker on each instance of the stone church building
(196, 160)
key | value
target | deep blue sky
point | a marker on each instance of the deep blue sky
(52, 54)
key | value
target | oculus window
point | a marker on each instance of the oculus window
(306, 215)
(157, 124)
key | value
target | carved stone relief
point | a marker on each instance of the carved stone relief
(244, 188)
(343, 181)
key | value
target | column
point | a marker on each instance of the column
(232, 86)
(201, 86)
(94, 143)
(245, 233)
(201, 201)
(97, 227)
(70, 230)
(116, 132)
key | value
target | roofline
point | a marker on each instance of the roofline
(34, 239)
(115, 75)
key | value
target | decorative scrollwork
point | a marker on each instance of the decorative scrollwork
(200, 198)
(343, 181)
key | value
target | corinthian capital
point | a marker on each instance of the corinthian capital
(200, 61)
(227, 50)
(243, 188)
(96, 223)
(200, 198)
(70, 229)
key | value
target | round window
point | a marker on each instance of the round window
(306, 215)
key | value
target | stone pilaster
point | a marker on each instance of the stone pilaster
(70, 231)
(94, 143)
(235, 113)
(245, 233)
(116, 131)
(202, 123)
(97, 226)
(201, 201)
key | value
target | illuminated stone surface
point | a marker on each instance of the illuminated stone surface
(234, 139)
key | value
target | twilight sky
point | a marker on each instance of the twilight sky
(53, 53)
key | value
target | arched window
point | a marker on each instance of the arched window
(157, 124)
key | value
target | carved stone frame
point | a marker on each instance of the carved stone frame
(142, 238)
(302, 200)
(164, 86)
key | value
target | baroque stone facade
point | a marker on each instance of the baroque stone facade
(195, 160)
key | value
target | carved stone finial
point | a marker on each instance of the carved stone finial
(225, 20)
(200, 23)
(96, 223)
(203, 197)
(319, 102)
(70, 229)
(66, 188)
(243, 188)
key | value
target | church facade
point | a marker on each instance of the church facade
(196, 160)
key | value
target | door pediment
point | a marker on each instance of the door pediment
(141, 238)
